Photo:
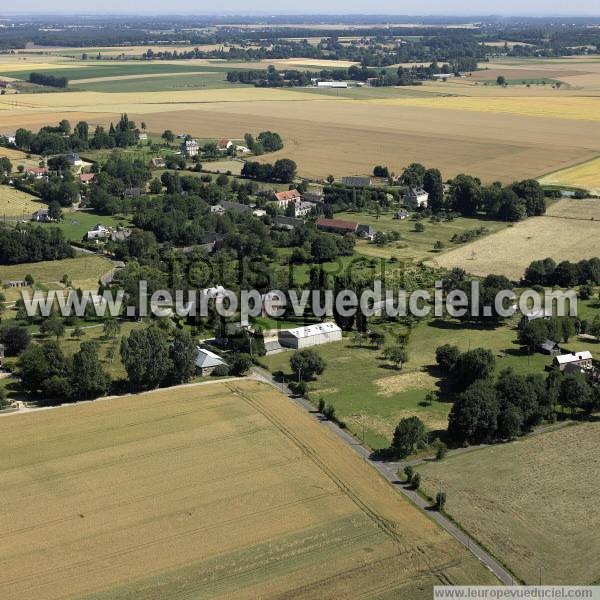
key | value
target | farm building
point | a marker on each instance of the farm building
(549, 347)
(217, 209)
(311, 335)
(86, 178)
(15, 283)
(74, 159)
(143, 137)
(207, 362)
(582, 360)
(401, 214)
(282, 199)
(332, 84)
(301, 209)
(416, 198)
(336, 225)
(532, 315)
(41, 216)
(365, 231)
(357, 181)
(224, 145)
(37, 172)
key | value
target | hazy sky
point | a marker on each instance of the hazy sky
(423, 7)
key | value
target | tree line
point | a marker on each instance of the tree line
(62, 138)
(27, 243)
(48, 79)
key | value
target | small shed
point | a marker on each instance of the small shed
(207, 361)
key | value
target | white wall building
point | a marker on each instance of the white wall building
(311, 335)
(416, 198)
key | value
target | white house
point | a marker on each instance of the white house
(282, 199)
(190, 148)
(143, 137)
(217, 209)
(224, 145)
(311, 335)
(301, 209)
(207, 361)
(100, 232)
(416, 198)
(583, 360)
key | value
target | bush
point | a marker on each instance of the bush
(441, 450)
(321, 405)
(220, 371)
(440, 501)
(409, 473)
(329, 412)
(416, 481)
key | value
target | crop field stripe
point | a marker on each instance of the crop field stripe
(377, 519)
(313, 456)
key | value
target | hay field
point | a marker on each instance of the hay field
(84, 270)
(585, 210)
(15, 203)
(332, 135)
(532, 503)
(510, 251)
(585, 175)
(213, 491)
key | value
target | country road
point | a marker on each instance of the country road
(388, 470)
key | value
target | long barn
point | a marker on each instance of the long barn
(311, 335)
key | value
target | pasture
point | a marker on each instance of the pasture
(15, 203)
(532, 503)
(510, 251)
(206, 491)
(414, 245)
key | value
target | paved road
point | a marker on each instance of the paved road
(388, 470)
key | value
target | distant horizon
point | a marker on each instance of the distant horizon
(67, 11)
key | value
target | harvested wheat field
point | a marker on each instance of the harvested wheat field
(209, 491)
(15, 203)
(510, 251)
(532, 503)
(343, 137)
(585, 175)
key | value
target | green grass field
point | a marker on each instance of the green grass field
(76, 224)
(413, 245)
(532, 503)
(369, 392)
(185, 81)
(93, 69)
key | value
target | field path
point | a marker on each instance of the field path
(389, 472)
